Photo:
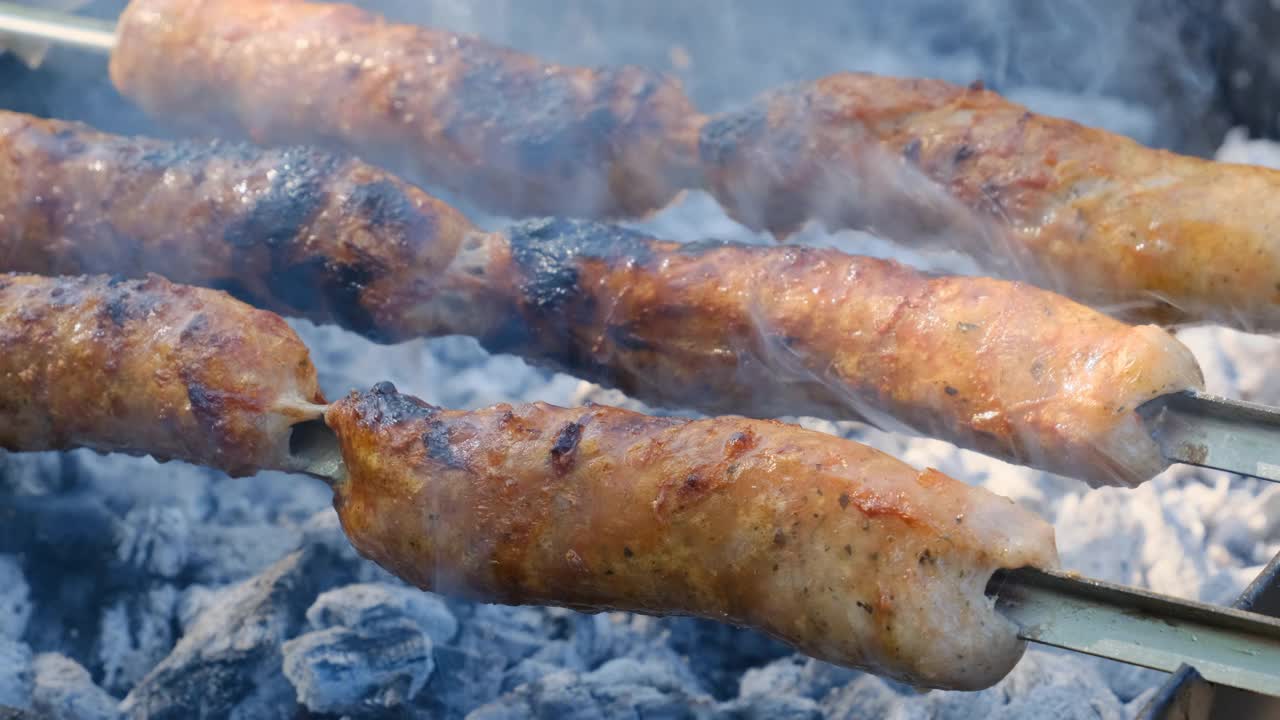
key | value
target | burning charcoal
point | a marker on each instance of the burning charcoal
(16, 674)
(462, 681)
(272, 498)
(63, 689)
(123, 482)
(230, 553)
(514, 632)
(528, 671)
(36, 473)
(619, 688)
(67, 530)
(601, 637)
(767, 707)
(323, 528)
(360, 605)
(720, 653)
(871, 698)
(1045, 684)
(229, 661)
(795, 675)
(15, 599)
(1127, 681)
(154, 540)
(359, 672)
(195, 600)
(136, 632)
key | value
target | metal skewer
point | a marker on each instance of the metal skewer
(1216, 432)
(55, 27)
(1227, 646)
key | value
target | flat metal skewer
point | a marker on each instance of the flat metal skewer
(1227, 646)
(55, 27)
(1215, 432)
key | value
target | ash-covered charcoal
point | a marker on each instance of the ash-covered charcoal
(324, 528)
(365, 604)
(767, 707)
(795, 675)
(64, 689)
(16, 674)
(64, 531)
(359, 672)
(15, 599)
(599, 638)
(511, 633)
(229, 553)
(620, 688)
(155, 541)
(720, 653)
(136, 631)
(872, 698)
(229, 660)
(462, 681)
(1045, 684)
(37, 473)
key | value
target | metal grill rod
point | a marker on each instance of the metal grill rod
(54, 27)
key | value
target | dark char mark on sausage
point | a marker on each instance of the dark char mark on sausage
(548, 252)
(548, 255)
(438, 440)
(384, 405)
(312, 285)
(723, 137)
(564, 451)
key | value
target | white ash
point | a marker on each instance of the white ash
(359, 672)
(15, 599)
(16, 674)
(62, 688)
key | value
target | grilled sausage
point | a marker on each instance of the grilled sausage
(1144, 234)
(292, 230)
(149, 368)
(506, 130)
(1004, 368)
(844, 552)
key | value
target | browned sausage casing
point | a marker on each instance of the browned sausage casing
(1143, 233)
(508, 131)
(149, 368)
(1004, 368)
(842, 551)
(1140, 232)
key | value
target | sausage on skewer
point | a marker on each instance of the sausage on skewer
(833, 547)
(1142, 233)
(1004, 368)
(150, 368)
(840, 550)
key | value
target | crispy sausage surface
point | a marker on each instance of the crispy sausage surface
(1004, 368)
(292, 230)
(146, 367)
(1096, 216)
(842, 551)
(1001, 367)
(1145, 234)
(509, 132)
